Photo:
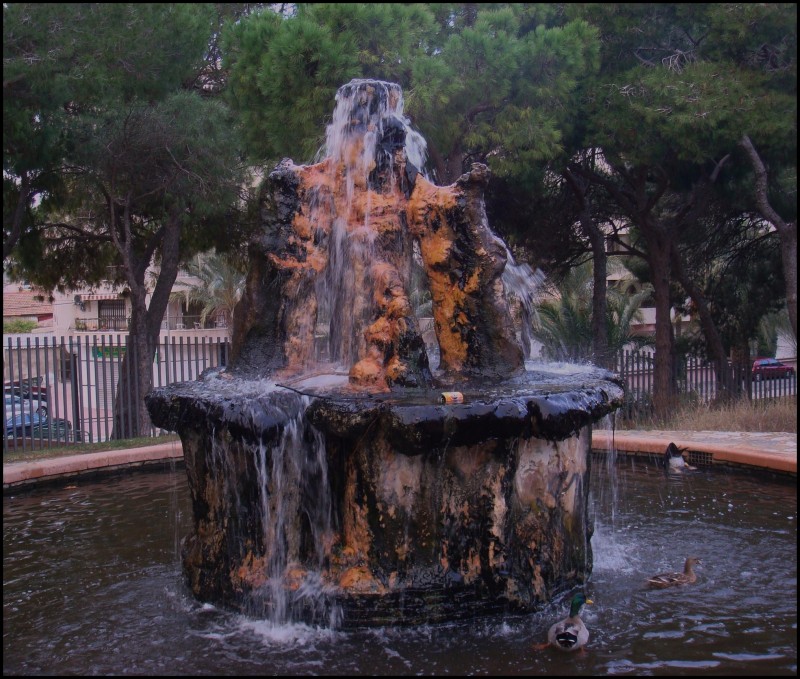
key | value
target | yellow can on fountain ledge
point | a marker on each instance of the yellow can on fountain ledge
(451, 397)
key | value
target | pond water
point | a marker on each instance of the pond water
(92, 584)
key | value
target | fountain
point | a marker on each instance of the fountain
(338, 474)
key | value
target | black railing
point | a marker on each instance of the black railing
(61, 391)
(696, 380)
(101, 324)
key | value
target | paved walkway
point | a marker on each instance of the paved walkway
(777, 452)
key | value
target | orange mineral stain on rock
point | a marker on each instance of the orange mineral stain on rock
(359, 580)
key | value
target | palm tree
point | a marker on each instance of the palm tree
(775, 327)
(220, 287)
(564, 323)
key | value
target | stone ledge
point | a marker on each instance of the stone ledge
(21, 473)
(775, 452)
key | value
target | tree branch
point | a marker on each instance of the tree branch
(762, 201)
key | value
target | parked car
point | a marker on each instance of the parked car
(766, 368)
(25, 418)
(21, 415)
(30, 390)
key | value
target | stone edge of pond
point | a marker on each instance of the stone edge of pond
(775, 452)
(23, 474)
(770, 451)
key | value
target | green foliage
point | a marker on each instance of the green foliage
(100, 117)
(115, 152)
(65, 63)
(173, 161)
(500, 89)
(221, 284)
(745, 289)
(687, 81)
(479, 80)
(285, 71)
(564, 321)
(19, 326)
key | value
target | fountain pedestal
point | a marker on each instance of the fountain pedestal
(386, 509)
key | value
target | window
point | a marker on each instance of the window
(111, 314)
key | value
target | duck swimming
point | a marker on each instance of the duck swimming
(664, 580)
(571, 633)
(674, 459)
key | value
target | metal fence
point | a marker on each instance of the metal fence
(697, 381)
(60, 391)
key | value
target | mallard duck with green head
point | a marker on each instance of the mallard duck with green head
(570, 634)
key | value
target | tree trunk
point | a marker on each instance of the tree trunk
(447, 169)
(789, 258)
(659, 261)
(131, 418)
(787, 231)
(12, 234)
(599, 297)
(726, 386)
(130, 415)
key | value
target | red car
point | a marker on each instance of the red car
(765, 368)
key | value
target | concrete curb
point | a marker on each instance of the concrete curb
(17, 474)
(772, 451)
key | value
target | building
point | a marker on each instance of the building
(102, 310)
(23, 303)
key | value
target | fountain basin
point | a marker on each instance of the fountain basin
(314, 503)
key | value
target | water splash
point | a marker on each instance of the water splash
(607, 493)
(368, 108)
(524, 284)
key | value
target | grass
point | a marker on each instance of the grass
(29, 455)
(766, 415)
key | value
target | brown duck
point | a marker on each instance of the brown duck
(663, 580)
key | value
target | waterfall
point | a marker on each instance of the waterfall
(524, 284)
(295, 512)
(367, 121)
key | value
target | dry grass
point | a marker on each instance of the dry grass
(779, 415)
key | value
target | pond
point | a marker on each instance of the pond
(92, 584)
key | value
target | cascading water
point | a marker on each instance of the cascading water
(367, 126)
(611, 487)
(524, 284)
(293, 482)
(348, 493)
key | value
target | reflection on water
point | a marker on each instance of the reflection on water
(92, 585)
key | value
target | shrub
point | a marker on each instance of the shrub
(19, 326)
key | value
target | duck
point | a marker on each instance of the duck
(664, 580)
(674, 459)
(570, 634)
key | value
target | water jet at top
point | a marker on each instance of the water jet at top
(342, 491)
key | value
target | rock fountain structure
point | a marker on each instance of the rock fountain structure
(350, 491)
